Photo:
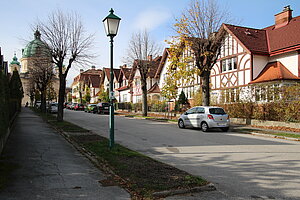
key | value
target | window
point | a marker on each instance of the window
(200, 110)
(217, 111)
(234, 62)
(124, 97)
(191, 111)
(229, 64)
(223, 63)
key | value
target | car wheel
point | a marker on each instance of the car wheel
(204, 127)
(181, 123)
(225, 129)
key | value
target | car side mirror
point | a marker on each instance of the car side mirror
(185, 113)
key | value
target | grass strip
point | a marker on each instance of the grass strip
(64, 125)
(143, 175)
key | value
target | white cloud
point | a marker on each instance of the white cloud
(151, 18)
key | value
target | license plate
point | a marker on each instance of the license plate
(222, 124)
(105, 107)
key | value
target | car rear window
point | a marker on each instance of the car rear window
(217, 111)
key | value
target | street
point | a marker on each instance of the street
(241, 166)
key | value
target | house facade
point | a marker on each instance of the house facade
(124, 92)
(85, 79)
(252, 57)
(153, 91)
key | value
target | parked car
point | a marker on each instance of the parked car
(205, 117)
(91, 108)
(37, 104)
(65, 104)
(52, 108)
(78, 106)
(72, 106)
(103, 108)
(69, 105)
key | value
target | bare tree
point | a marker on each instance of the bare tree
(199, 28)
(41, 74)
(141, 47)
(65, 35)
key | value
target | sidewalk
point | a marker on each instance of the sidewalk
(49, 167)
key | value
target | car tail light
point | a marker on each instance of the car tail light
(210, 117)
(228, 117)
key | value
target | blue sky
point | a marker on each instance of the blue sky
(157, 16)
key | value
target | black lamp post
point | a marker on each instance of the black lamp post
(111, 25)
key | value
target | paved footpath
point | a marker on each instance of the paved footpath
(49, 167)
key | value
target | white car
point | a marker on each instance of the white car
(205, 117)
(53, 108)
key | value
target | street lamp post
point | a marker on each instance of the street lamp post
(111, 25)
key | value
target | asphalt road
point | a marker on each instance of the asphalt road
(241, 166)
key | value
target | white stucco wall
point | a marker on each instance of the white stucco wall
(289, 60)
(163, 73)
(259, 62)
(128, 95)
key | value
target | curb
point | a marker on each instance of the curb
(274, 136)
(205, 188)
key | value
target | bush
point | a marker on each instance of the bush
(124, 106)
(4, 103)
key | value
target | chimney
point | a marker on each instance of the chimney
(81, 70)
(93, 67)
(150, 58)
(284, 17)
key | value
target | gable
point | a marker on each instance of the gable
(254, 40)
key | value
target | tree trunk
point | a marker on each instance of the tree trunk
(144, 98)
(205, 88)
(80, 97)
(43, 101)
(61, 98)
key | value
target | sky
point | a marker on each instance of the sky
(157, 16)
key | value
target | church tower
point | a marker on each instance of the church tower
(14, 65)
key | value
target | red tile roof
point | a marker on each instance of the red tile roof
(255, 40)
(271, 40)
(286, 37)
(154, 89)
(107, 73)
(154, 65)
(125, 87)
(95, 81)
(126, 72)
(84, 76)
(274, 71)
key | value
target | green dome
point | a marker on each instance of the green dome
(15, 60)
(36, 45)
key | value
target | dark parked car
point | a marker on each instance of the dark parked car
(65, 104)
(91, 108)
(78, 106)
(103, 108)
